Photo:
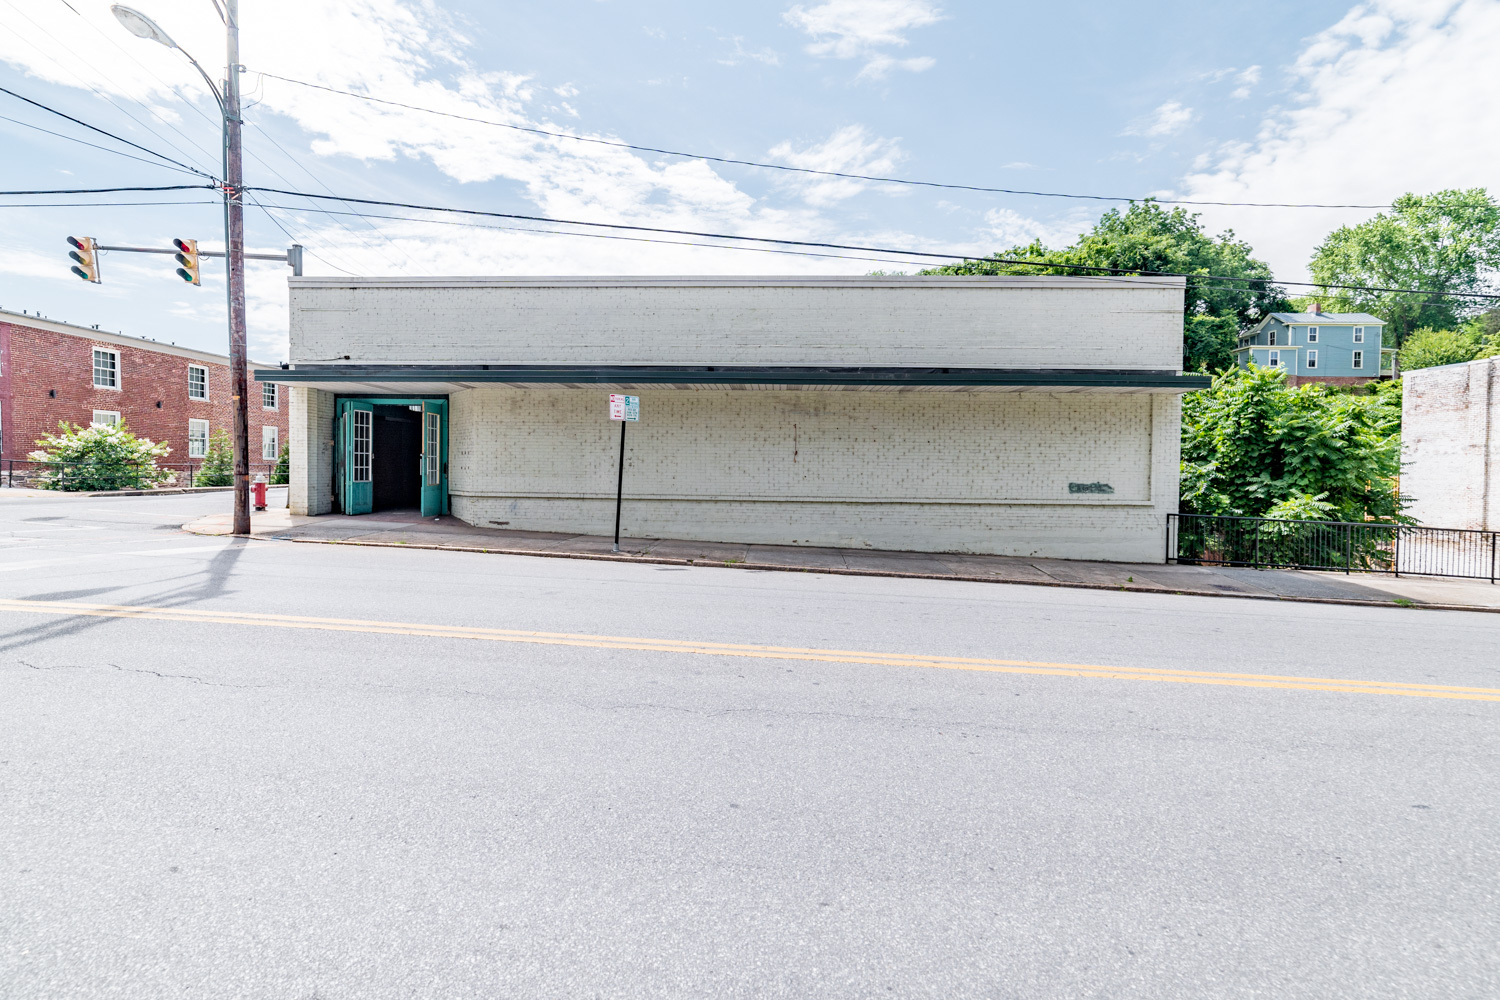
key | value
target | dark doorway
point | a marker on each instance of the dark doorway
(397, 457)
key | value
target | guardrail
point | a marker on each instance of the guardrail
(1342, 546)
(83, 476)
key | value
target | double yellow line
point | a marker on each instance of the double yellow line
(864, 658)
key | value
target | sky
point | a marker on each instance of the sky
(1305, 101)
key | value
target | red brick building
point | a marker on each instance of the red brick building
(54, 372)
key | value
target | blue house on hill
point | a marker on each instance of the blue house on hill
(1319, 347)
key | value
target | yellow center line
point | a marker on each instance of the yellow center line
(1101, 672)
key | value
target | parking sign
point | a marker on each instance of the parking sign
(624, 407)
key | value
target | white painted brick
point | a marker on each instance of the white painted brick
(311, 450)
(1450, 444)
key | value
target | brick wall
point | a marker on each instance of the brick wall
(922, 471)
(46, 376)
(311, 457)
(1450, 444)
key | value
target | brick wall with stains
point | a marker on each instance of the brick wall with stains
(47, 377)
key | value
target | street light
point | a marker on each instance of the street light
(141, 26)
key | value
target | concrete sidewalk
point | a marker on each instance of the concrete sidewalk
(408, 529)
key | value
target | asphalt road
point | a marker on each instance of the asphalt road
(485, 776)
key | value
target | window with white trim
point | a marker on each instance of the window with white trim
(106, 368)
(197, 382)
(1273, 359)
(105, 418)
(1358, 360)
(1359, 335)
(197, 438)
(270, 447)
(268, 399)
(1312, 359)
(1273, 338)
(1312, 335)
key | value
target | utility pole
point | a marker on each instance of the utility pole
(234, 250)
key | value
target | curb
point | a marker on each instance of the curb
(834, 571)
(170, 490)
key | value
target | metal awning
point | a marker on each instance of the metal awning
(352, 379)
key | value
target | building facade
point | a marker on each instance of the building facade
(1450, 444)
(1333, 348)
(1021, 416)
(53, 373)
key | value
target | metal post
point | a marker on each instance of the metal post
(1348, 548)
(1257, 544)
(1493, 536)
(234, 249)
(620, 484)
(1396, 563)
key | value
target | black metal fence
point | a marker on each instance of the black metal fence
(92, 476)
(1349, 547)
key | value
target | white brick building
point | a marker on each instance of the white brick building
(1023, 416)
(1450, 444)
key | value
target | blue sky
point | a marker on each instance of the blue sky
(1303, 101)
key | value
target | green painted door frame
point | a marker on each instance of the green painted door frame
(354, 427)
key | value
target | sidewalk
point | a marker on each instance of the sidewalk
(407, 529)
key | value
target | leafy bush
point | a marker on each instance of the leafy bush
(99, 458)
(1251, 446)
(1428, 348)
(218, 465)
(282, 474)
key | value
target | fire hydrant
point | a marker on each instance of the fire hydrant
(258, 491)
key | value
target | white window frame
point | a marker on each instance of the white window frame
(270, 442)
(204, 370)
(114, 370)
(112, 418)
(1359, 335)
(1272, 341)
(1273, 359)
(197, 444)
(364, 444)
(432, 447)
(1312, 360)
(1357, 360)
(1312, 335)
(271, 391)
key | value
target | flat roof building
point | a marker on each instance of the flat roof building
(1032, 416)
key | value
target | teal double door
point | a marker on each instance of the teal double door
(391, 454)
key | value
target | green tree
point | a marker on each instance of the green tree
(282, 473)
(1148, 237)
(98, 458)
(1253, 447)
(218, 465)
(1443, 242)
(1428, 348)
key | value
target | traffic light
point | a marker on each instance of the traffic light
(187, 256)
(86, 255)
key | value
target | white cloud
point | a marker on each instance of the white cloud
(851, 149)
(767, 56)
(1396, 97)
(1168, 119)
(1007, 228)
(864, 29)
(1247, 81)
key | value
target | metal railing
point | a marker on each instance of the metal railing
(89, 476)
(1342, 546)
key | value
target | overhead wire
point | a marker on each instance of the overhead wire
(816, 244)
(85, 142)
(72, 72)
(787, 168)
(277, 223)
(95, 128)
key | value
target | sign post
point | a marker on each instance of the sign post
(627, 410)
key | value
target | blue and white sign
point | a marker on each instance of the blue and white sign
(624, 407)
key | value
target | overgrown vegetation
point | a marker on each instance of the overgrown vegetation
(1477, 338)
(218, 465)
(282, 473)
(1253, 447)
(99, 457)
(1148, 237)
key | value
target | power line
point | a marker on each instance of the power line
(600, 236)
(95, 128)
(842, 175)
(1114, 271)
(84, 142)
(105, 204)
(277, 223)
(116, 190)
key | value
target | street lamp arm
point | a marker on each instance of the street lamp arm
(218, 98)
